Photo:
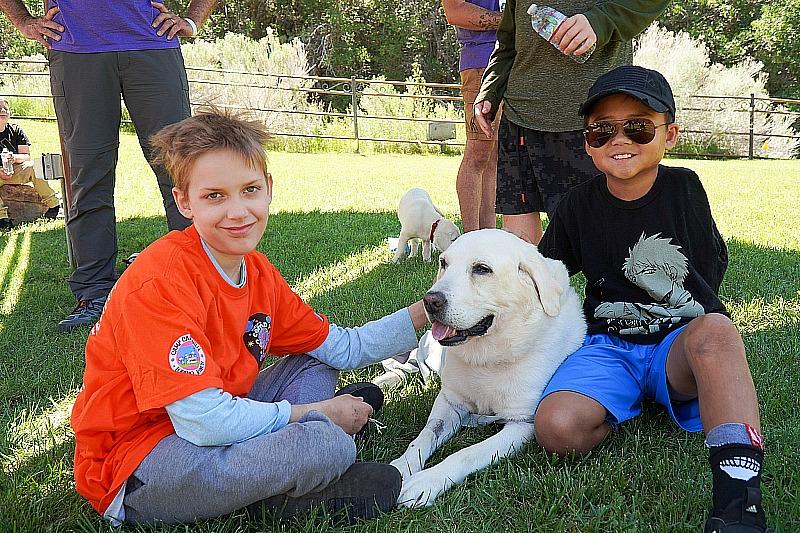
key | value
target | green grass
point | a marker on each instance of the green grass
(331, 215)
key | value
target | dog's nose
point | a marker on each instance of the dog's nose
(434, 302)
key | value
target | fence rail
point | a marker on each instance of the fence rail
(356, 89)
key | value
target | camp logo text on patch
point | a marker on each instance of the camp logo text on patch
(186, 356)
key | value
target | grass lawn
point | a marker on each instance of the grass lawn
(331, 216)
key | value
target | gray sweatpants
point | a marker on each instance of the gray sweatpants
(181, 482)
(86, 92)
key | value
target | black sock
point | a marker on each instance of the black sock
(736, 496)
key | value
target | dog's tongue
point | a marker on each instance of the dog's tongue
(440, 331)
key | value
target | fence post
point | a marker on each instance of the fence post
(752, 124)
(354, 103)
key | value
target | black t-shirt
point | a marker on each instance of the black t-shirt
(651, 264)
(12, 138)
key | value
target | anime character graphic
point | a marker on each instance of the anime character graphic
(659, 268)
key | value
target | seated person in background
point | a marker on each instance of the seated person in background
(13, 139)
(176, 421)
(644, 237)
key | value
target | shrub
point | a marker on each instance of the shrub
(709, 122)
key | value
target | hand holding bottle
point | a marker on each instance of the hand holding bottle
(573, 36)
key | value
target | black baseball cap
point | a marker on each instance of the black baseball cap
(648, 86)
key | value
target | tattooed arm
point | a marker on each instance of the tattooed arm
(470, 16)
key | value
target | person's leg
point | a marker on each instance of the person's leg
(475, 182)
(488, 218)
(569, 422)
(42, 188)
(517, 198)
(181, 482)
(595, 389)
(527, 226)
(470, 184)
(707, 361)
(298, 379)
(156, 93)
(86, 91)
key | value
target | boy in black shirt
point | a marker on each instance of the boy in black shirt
(644, 237)
(14, 140)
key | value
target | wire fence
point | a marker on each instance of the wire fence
(332, 94)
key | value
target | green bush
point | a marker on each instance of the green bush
(696, 75)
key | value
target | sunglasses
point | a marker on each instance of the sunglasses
(639, 130)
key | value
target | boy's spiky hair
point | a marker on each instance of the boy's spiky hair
(179, 145)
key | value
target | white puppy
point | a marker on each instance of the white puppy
(420, 220)
(508, 317)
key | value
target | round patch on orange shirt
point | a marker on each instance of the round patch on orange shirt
(186, 356)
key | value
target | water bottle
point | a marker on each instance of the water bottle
(545, 20)
(8, 161)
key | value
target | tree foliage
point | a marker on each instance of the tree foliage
(736, 30)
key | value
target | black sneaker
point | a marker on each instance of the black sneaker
(86, 313)
(743, 515)
(51, 213)
(371, 393)
(6, 224)
(364, 491)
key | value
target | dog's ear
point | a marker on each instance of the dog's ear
(534, 266)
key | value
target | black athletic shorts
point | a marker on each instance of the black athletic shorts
(536, 168)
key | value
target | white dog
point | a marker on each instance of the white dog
(508, 317)
(420, 220)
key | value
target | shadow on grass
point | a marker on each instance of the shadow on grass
(611, 488)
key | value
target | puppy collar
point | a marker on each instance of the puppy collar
(433, 228)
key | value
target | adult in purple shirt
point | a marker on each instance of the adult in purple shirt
(99, 51)
(475, 22)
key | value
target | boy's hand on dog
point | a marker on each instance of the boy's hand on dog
(346, 411)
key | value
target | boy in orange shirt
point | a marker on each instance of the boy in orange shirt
(176, 422)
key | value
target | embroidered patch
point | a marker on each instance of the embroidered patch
(186, 356)
(256, 336)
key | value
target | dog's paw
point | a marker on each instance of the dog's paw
(422, 489)
(408, 466)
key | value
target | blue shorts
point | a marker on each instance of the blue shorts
(620, 374)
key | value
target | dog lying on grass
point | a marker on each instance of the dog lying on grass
(422, 222)
(508, 318)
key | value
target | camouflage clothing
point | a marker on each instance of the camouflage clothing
(536, 168)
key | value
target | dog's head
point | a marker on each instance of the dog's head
(489, 280)
(445, 234)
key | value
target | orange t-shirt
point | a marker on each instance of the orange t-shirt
(172, 326)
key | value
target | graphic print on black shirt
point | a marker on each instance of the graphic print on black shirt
(659, 268)
(651, 264)
(256, 336)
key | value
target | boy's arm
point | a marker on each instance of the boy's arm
(495, 77)
(349, 348)
(617, 20)
(213, 417)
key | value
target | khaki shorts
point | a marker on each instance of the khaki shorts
(470, 87)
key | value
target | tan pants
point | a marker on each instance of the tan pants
(23, 173)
